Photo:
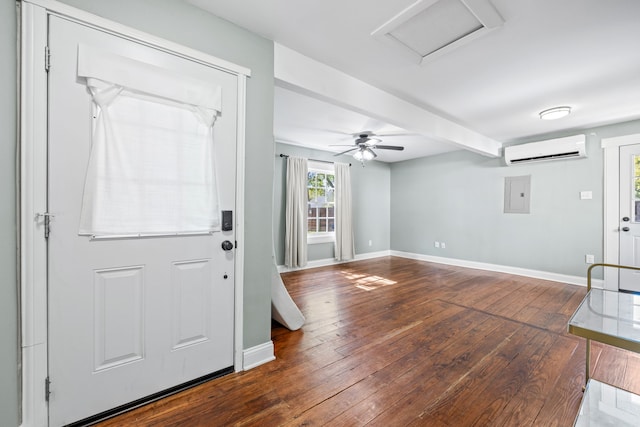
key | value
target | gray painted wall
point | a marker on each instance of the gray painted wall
(8, 286)
(182, 23)
(371, 209)
(457, 198)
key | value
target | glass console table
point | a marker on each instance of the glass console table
(612, 318)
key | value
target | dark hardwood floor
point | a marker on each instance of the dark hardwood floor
(399, 342)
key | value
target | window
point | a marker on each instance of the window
(321, 203)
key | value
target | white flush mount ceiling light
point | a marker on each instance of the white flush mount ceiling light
(555, 113)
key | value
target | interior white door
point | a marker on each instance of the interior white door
(629, 230)
(129, 317)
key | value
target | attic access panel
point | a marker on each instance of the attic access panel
(429, 28)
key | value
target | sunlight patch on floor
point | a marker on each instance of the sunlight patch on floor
(367, 282)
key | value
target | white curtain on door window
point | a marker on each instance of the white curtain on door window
(344, 244)
(295, 244)
(151, 168)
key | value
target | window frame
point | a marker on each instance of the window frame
(328, 236)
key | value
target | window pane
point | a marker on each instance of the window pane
(320, 211)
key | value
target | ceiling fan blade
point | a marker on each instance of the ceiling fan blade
(345, 152)
(388, 134)
(341, 145)
(336, 132)
(389, 147)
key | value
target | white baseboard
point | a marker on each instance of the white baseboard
(258, 355)
(331, 261)
(545, 275)
(537, 274)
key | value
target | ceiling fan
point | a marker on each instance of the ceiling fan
(364, 145)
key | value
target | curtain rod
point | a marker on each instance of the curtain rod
(313, 160)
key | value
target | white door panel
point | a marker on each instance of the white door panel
(118, 316)
(629, 230)
(129, 317)
(191, 312)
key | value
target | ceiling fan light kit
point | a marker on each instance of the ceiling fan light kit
(363, 147)
(555, 113)
(364, 154)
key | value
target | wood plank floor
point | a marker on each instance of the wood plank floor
(398, 342)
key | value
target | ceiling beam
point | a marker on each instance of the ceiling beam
(302, 74)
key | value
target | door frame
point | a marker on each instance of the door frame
(33, 31)
(611, 173)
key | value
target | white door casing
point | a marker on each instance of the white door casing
(629, 234)
(612, 205)
(33, 196)
(128, 317)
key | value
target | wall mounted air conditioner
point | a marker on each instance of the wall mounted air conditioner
(570, 147)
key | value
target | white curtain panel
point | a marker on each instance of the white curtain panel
(344, 245)
(152, 165)
(295, 245)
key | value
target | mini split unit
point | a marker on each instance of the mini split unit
(570, 147)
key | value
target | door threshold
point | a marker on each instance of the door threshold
(102, 416)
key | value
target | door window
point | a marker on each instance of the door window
(636, 186)
(151, 169)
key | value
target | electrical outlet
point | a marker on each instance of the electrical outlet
(442, 245)
(370, 243)
(436, 244)
(589, 259)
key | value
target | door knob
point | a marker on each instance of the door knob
(625, 219)
(227, 245)
(625, 229)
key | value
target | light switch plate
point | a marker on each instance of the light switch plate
(586, 195)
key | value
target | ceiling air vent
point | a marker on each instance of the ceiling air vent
(429, 28)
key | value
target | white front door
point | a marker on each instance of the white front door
(129, 317)
(629, 230)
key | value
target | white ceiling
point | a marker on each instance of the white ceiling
(580, 53)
